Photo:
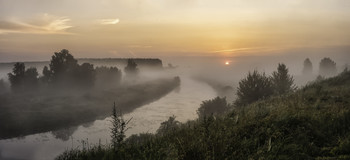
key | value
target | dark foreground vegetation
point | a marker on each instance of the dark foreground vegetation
(312, 122)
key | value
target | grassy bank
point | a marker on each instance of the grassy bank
(42, 111)
(311, 123)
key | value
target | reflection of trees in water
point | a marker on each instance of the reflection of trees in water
(64, 134)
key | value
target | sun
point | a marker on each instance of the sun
(227, 63)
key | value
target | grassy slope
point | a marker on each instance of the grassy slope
(312, 123)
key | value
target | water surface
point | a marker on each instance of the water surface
(182, 102)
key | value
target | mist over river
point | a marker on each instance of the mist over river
(201, 79)
(182, 102)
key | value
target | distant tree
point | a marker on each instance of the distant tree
(307, 71)
(168, 126)
(21, 78)
(16, 78)
(119, 127)
(328, 67)
(46, 75)
(216, 106)
(107, 77)
(282, 81)
(254, 87)
(131, 67)
(31, 78)
(346, 68)
(65, 71)
(61, 63)
(85, 75)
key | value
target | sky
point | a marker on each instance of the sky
(35, 29)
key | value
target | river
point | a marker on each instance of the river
(182, 103)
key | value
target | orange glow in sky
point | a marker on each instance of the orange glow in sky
(34, 29)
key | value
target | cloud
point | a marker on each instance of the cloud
(109, 21)
(46, 24)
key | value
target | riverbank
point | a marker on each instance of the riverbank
(41, 112)
(311, 123)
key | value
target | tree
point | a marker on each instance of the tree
(65, 71)
(254, 87)
(282, 81)
(307, 71)
(168, 126)
(46, 78)
(31, 78)
(131, 67)
(21, 79)
(16, 78)
(108, 77)
(328, 67)
(119, 127)
(216, 106)
(85, 75)
(61, 63)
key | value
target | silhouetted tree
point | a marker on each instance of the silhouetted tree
(168, 126)
(61, 64)
(328, 67)
(21, 78)
(65, 71)
(85, 75)
(119, 127)
(131, 67)
(216, 106)
(46, 78)
(282, 81)
(307, 70)
(346, 68)
(16, 78)
(107, 77)
(31, 78)
(254, 87)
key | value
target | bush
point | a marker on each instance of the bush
(254, 87)
(118, 130)
(168, 126)
(282, 81)
(328, 67)
(216, 106)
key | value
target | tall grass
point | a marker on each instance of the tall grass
(311, 123)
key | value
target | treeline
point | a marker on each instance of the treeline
(142, 62)
(64, 72)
